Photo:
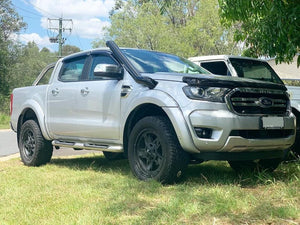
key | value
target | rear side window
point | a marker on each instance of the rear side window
(72, 70)
(45, 79)
(218, 68)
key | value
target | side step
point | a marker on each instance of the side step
(88, 146)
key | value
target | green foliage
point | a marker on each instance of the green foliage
(268, 27)
(10, 21)
(28, 65)
(4, 121)
(291, 82)
(69, 49)
(186, 28)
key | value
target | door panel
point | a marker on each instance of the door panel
(85, 110)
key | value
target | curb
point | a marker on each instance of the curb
(5, 158)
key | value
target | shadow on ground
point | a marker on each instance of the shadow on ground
(212, 173)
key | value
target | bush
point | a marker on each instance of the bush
(4, 103)
(291, 82)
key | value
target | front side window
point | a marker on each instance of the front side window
(155, 62)
(72, 70)
(102, 64)
(218, 68)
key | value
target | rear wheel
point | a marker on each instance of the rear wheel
(35, 150)
(154, 151)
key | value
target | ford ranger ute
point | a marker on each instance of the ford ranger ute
(252, 68)
(159, 110)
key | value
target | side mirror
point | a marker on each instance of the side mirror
(110, 71)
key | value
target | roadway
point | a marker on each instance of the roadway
(8, 146)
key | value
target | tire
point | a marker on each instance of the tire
(113, 155)
(154, 151)
(35, 150)
(268, 165)
(295, 148)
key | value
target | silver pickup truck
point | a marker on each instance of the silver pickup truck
(159, 110)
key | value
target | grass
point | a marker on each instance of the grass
(92, 190)
(4, 121)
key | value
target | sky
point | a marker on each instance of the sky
(88, 19)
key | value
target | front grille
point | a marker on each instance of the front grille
(254, 101)
(262, 134)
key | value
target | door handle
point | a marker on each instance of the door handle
(84, 91)
(125, 90)
(55, 92)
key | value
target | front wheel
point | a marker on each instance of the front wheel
(154, 151)
(35, 150)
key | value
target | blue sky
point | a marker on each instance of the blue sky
(88, 19)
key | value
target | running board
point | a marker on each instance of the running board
(88, 146)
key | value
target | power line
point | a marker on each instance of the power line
(78, 39)
(30, 12)
(49, 14)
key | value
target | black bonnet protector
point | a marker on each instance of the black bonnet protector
(230, 83)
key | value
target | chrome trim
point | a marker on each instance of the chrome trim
(88, 146)
(256, 102)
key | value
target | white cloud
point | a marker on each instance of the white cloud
(90, 28)
(40, 41)
(89, 16)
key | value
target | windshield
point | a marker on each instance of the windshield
(255, 69)
(155, 62)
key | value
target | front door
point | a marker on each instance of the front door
(90, 108)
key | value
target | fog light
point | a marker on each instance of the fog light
(203, 132)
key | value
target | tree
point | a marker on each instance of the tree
(29, 64)
(185, 28)
(69, 49)
(10, 22)
(268, 27)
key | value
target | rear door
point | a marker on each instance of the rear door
(64, 99)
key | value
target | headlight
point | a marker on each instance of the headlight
(213, 94)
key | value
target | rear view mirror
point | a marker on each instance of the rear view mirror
(108, 71)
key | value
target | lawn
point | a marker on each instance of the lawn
(4, 121)
(91, 190)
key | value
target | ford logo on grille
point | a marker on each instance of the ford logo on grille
(265, 102)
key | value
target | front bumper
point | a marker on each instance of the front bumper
(226, 128)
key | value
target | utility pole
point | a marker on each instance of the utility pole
(56, 32)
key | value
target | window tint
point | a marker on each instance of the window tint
(155, 62)
(72, 70)
(255, 69)
(45, 79)
(102, 63)
(218, 68)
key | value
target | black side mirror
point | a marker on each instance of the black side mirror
(110, 71)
